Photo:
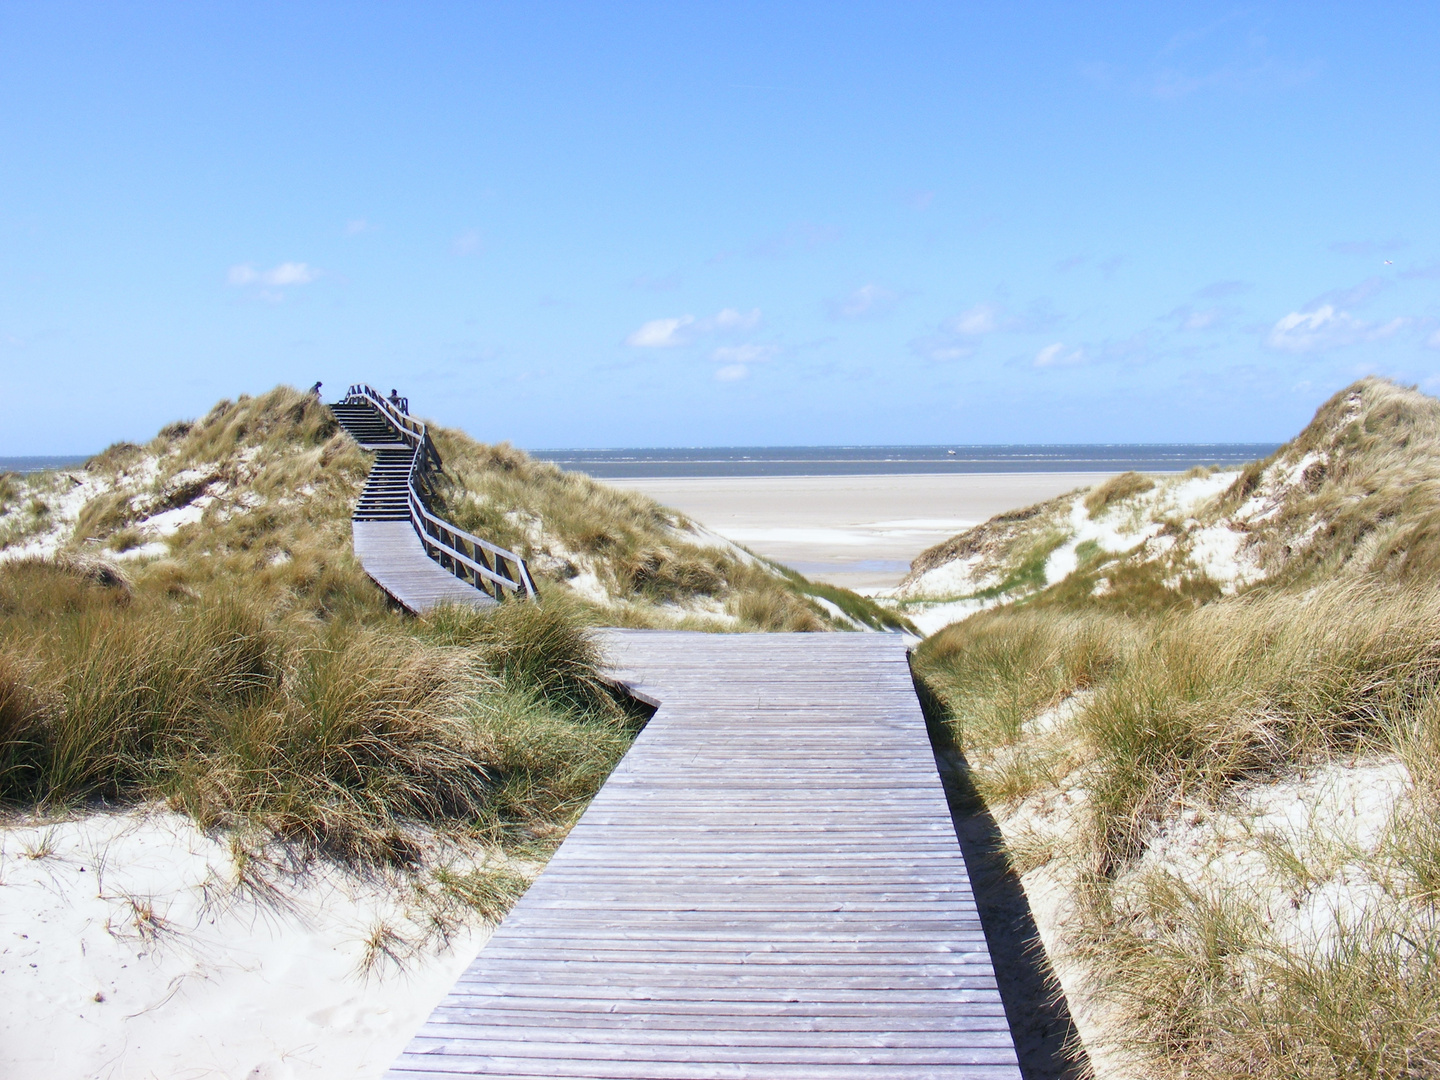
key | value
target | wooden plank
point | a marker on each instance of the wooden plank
(394, 557)
(767, 886)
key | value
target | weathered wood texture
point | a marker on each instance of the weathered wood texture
(392, 554)
(395, 491)
(767, 886)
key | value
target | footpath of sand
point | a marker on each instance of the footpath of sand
(857, 531)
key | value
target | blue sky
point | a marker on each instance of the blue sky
(670, 225)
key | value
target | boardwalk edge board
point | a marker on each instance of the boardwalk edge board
(768, 886)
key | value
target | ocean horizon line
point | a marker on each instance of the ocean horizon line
(879, 460)
(845, 460)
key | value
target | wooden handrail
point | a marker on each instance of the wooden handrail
(442, 540)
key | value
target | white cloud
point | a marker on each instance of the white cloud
(661, 333)
(731, 372)
(868, 301)
(731, 319)
(356, 226)
(1326, 328)
(290, 273)
(1056, 356)
(958, 337)
(744, 354)
(980, 319)
(684, 329)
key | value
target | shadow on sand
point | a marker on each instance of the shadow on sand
(1046, 1039)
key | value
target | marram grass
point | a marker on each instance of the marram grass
(1178, 699)
(338, 736)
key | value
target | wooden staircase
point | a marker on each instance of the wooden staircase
(419, 559)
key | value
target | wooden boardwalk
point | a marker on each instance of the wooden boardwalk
(392, 554)
(768, 886)
(419, 559)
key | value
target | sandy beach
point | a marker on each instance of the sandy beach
(857, 531)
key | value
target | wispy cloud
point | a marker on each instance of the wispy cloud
(1433, 341)
(942, 348)
(959, 336)
(1057, 355)
(1231, 54)
(867, 302)
(1427, 272)
(684, 329)
(1139, 348)
(1325, 328)
(744, 354)
(1223, 56)
(1354, 296)
(980, 319)
(271, 281)
(736, 359)
(661, 333)
(731, 319)
(1194, 319)
(356, 226)
(920, 200)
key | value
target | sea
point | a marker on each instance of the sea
(854, 460)
(33, 463)
(896, 460)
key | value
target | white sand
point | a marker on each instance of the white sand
(857, 531)
(126, 951)
(1331, 820)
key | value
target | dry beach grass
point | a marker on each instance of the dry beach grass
(1162, 760)
(342, 739)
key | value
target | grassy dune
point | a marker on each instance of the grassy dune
(185, 621)
(1159, 751)
(358, 742)
(644, 563)
(263, 487)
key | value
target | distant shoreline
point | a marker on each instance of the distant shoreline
(40, 462)
(635, 463)
(738, 461)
